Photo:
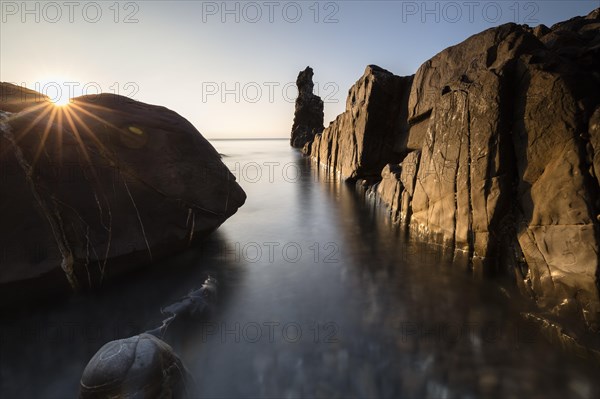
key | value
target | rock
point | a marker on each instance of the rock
(515, 104)
(308, 118)
(145, 365)
(100, 187)
(494, 154)
(306, 150)
(16, 98)
(360, 142)
(390, 188)
(142, 366)
(594, 148)
(540, 30)
(408, 177)
(463, 185)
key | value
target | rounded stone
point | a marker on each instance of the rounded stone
(141, 366)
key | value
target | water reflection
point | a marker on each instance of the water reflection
(321, 297)
(407, 321)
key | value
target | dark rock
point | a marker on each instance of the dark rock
(540, 30)
(100, 187)
(360, 142)
(145, 366)
(308, 118)
(16, 98)
(142, 366)
(306, 150)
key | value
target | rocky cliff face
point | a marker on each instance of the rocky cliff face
(101, 186)
(496, 156)
(361, 140)
(308, 118)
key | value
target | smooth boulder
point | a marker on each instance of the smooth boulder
(100, 187)
(141, 366)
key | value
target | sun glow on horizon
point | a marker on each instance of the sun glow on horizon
(62, 101)
(58, 90)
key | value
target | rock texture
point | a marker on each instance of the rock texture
(497, 148)
(141, 366)
(100, 187)
(359, 142)
(308, 119)
(16, 98)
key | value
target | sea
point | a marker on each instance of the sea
(320, 295)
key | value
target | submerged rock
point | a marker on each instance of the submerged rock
(308, 118)
(145, 366)
(141, 366)
(494, 154)
(102, 186)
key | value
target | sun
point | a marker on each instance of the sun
(61, 101)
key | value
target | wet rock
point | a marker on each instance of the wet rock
(360, 142)
(499, 100)
(142, 366)
(100, 187)
(516, 103)
(308, 118)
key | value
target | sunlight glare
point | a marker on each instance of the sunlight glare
(61, 101)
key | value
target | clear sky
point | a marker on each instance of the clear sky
(230, 67)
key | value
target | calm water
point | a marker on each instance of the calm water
(320, 297)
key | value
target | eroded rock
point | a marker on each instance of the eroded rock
(360, 142)
(308, 118)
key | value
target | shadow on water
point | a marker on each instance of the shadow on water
(321, 296)
(43, 351)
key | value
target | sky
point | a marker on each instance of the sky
(230, 67)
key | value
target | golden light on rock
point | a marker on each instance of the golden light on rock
(136, 130)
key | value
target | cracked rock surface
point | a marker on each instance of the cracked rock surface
(494, 154)
(360, 141)
(99, 187)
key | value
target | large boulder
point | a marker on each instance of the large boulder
(360, 142)
(308, 117)
(102, 186)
